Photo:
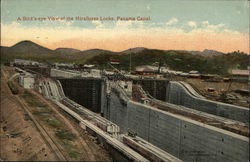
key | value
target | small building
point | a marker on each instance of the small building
(193, 72)
(63, 66)
(173, 72)
(27, 80)
(194, 75)
(88, 66)
(240, 75)
(95, 73)
(25, 62)
(184, 74)
(114, 62)
(207, 76)
(146, 69)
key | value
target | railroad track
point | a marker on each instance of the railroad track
(56, 93)
(86, 144)
(46, 137)
(50, 141)
(73, 109)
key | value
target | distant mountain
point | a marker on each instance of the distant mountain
(4, 49)
(30, 48)
(95, 51)
(133, 50)
(92, 52)
(190, 60)
(207, 53)
(27, 48)
(66, 50)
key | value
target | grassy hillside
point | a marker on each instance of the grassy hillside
(29, 50)
(175, 60)
(180, 61)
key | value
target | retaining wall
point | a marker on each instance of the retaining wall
(86, 92)
(180, 94)
(63, 74)
(156, 88)
(186, 139)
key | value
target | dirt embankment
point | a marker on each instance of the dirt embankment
(19, 138)
(23, 140)
(221, 91)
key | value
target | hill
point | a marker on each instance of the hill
(207, 53)
(176, 60)
(133, 50)
(28, 47)
(69, 51)
(30, 50)
(87, 54)
(207, 61)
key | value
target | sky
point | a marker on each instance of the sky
(122, 24)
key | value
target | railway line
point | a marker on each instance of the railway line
(130, 145)
(101, 126)
(108, 131)
(44, 134)
(50, 141)
(54, 91)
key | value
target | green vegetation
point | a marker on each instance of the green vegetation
(67, 139)
(40, 109)
(54, 123)
(65, 135)
(71, 149)
(6, 58)
(45, 114)
(180, 61)
(32, 100)
(175, 60)
(13, 87)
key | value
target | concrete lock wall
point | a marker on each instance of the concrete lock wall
(41, 70)
(63, 74)
(156, 88)
(186, 139)
(181, 95)
(86, 92)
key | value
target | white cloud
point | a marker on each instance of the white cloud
(217, 26)
(98, 24)
(192, 24)
(123, 24)
(64, 22)
(17, 31)
(204, 22)
(14, 24)
(121, 36)
(212, 28)
(119, 26)
(172, 21)
(129, 24)
(205, 26)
